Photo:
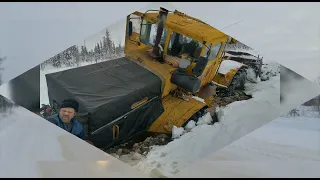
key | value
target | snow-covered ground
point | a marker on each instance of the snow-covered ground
(295, 90)
(33, 147)
(269, 69)
(285, 147)
(236, 120)
(203, 139)
(4, 90)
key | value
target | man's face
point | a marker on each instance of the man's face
(66, 114)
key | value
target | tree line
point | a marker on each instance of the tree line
(5, 104)
(75, 55)
(2, 59)
(314, 104)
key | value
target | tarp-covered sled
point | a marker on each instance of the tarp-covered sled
(110, 95)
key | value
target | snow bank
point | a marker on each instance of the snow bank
(251, 75)
(236, 120)
(206, 119)
(191, 124)
(270, 69)
(177, 132)
(39, 142)
(295, 140)
(307, 111)
(292, 88)
(228, 65)
(29, 141)
(299, 132)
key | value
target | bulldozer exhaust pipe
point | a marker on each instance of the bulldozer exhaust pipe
(163, 13)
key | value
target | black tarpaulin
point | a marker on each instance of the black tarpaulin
(106, 91)
(25, 89)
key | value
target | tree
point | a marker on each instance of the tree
(294, 112)
(2, 59)
(56, 61)
(105, 46)
(5, 105)
(118, 49)
(109, 43)
(97, 52)
(67, 54)
(113, 52)
(84, 54)
(76, 55)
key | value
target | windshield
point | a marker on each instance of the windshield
(179, 45)
(183, 46)
(148, 34)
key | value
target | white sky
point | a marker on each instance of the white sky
(288, 33)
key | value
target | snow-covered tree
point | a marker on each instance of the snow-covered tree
(84, 54)
(5, 105)
(108, 44)
(1, 69)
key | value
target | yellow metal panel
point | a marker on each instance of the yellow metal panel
(226, 79)
(177, 111)
(131, 43)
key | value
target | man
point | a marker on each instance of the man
(65, 119)
(46, 111)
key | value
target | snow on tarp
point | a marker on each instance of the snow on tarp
(227, 65)
(106, 91)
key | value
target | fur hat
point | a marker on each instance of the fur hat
(70, 103)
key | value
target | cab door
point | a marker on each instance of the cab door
(132, 36)
(213, 63)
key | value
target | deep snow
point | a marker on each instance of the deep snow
(204, 139)
(285, 147)
(169, 157)
(236, 120)
(32, 147)
(180, 154)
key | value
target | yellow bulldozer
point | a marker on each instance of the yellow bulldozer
(172, 69)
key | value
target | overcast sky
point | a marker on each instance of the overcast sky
(288, 33)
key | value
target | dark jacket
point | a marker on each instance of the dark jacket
(77, 128)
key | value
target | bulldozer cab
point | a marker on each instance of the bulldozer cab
(142, 31)
(185, 42)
